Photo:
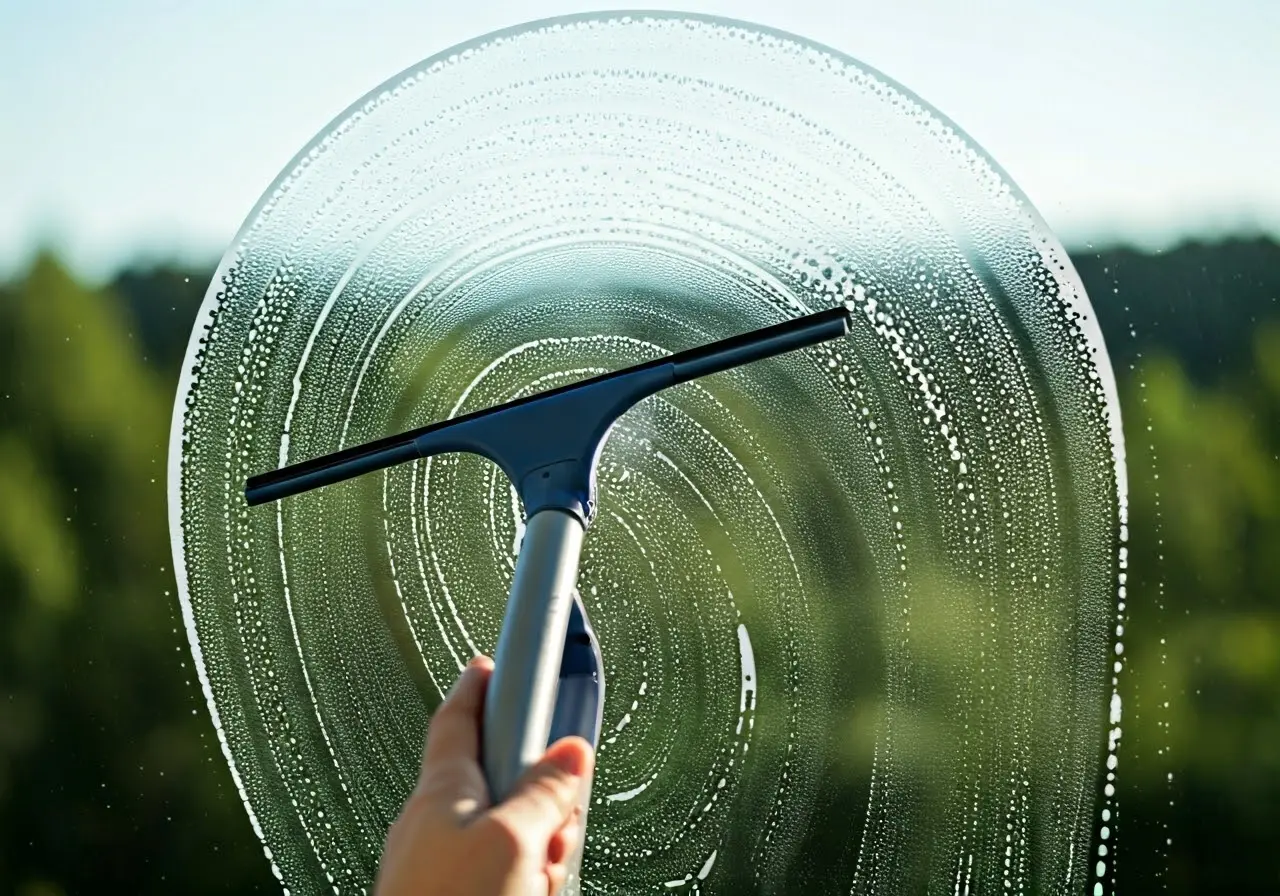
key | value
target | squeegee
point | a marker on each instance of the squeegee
(548, 680)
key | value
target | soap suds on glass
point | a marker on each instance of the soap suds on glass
(857, 605)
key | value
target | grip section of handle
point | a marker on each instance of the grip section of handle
(521, 700)
(579, 708)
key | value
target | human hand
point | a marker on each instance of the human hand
(449, 841)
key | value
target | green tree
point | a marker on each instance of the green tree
(109, 774)
(1201, 770)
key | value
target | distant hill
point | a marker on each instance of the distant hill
(163, 302)
(1199, 301)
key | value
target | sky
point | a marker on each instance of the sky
(138, 130)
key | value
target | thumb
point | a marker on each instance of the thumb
(546, 794)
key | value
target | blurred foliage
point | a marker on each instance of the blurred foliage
(110, 775)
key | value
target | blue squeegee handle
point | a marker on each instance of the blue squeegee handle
(580, 711)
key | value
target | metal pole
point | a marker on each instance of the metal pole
(521, 700)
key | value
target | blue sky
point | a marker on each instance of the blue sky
(149, 128)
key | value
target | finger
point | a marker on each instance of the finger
(564, 843)
(560, 853)
(546, 794)
(454, 730)
(556, 877)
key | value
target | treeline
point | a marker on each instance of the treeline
(111, 779)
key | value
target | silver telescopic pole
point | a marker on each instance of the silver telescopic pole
(521, 700)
